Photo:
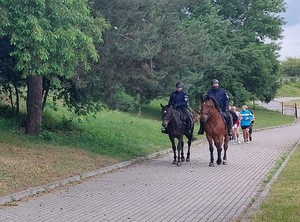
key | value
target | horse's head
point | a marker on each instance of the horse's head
(167, 114)
(207, 107)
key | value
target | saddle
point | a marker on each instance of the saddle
(184, 118)
(230, 118)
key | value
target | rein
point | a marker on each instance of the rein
(172, 116)
(208, 113)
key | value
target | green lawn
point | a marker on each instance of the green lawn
(289, 89)
(283, 201)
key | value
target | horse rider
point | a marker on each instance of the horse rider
(179, 100)
(222, 100)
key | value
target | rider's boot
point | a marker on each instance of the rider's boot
(229, 125)
(189, 130)
(189, 126)
(230, 134)
(201, 130)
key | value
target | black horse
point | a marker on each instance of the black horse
(175, 126)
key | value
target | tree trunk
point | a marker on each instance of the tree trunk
(45, 92)
(11, 98)
(34, 105)
(17, 109)
(17, 101)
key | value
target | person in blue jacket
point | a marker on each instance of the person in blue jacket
(246, 118)
(222, 99)
(179, 100)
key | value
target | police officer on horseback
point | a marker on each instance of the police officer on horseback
(222, 99)
(179, 100)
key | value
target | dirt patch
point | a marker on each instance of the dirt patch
(21, 168)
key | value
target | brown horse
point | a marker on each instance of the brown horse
(215, 129)
(176, 128)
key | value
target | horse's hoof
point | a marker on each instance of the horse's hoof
(211, 164)
(219, 162)
(224, 163)
(179, 164)
(174, 162)
(182, 159)
(187, 160)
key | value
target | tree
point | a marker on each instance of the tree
(11, 79)
(153, 44)
(216, 52)
(254, 61)
(129, 50)
(51, 38)
(291, 67)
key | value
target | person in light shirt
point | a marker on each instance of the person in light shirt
(236, 126)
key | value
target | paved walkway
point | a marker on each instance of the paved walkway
(276, 105)
(157, 190)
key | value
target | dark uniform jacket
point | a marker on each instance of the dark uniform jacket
(179, 100)
(221, 97)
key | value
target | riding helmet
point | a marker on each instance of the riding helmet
(214, 81)
(179, 85)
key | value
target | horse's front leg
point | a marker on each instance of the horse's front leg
(211, 150)
(179, 150)
(219, 150)
(189, 148)
(225, 157)
(182, 153)
(226, 141)
(174, 148)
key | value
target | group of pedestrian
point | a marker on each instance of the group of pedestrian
(179, 100)
(245, 122)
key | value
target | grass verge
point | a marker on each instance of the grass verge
(283, 200)
(289, 89)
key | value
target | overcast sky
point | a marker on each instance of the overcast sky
(291, 42)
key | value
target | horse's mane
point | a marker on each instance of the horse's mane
(207, 97)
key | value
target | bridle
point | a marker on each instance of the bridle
(167, 120)
(170, 117)
(208, 113)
